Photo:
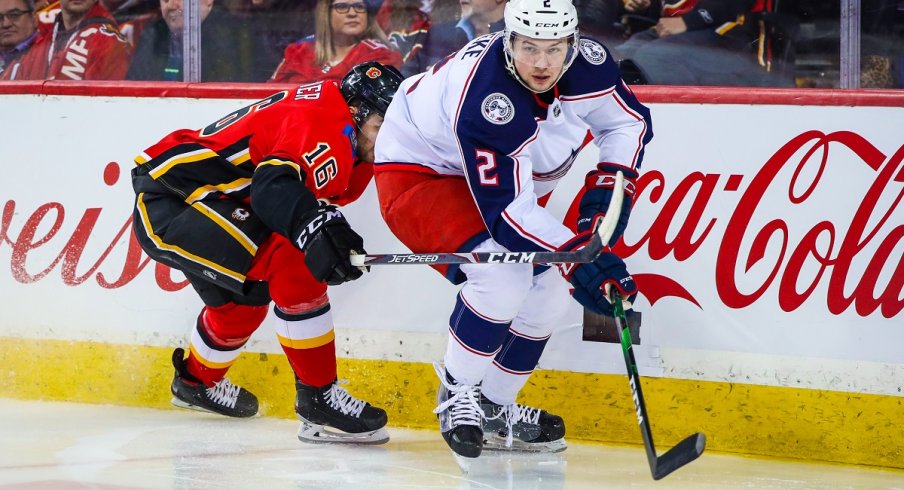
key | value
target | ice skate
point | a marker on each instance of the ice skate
(460, 416)
(223, 398)
(332, 407)
(521, 428)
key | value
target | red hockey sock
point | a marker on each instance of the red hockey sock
(315, 366)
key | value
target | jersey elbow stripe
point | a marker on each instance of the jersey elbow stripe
(276, 161)
(230, 228)
(149, 230)
(524, 233)
(188, 157)
(279, 161)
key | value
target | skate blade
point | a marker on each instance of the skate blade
(181, 404)
(319, 434)
(464, 464)
(509, 469)
(495, 442)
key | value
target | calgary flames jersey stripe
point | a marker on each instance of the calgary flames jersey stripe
(190, 157)
(226, 188)
(277, 161)
(236, 233)
(240, 157)
(142, 209)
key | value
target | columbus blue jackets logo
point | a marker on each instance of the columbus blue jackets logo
(593, 51)
(498, 109)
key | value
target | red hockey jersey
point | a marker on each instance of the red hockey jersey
(93, 50)
(298, 65)
(275, 147)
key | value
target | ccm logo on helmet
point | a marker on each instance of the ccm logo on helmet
(374, 72)
(547, 24)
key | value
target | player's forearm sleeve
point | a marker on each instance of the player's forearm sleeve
(279, 196)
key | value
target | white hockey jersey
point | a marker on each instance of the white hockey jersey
(468, 116)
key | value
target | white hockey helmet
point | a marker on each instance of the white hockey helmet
(540, 19)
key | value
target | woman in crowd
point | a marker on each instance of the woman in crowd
(346, 34)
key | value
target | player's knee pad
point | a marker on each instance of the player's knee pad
(497, 291)
(232, 322)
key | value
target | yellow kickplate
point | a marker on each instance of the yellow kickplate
(751, 419)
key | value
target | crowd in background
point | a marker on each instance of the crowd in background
(668, 42)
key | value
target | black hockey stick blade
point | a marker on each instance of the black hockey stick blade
(683, 453)
(603, 233)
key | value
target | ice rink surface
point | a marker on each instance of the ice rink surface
(46, 445)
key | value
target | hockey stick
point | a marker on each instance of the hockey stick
(685, 451)
(588, 253)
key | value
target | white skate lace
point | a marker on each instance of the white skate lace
(224, 393)
(514, 414)
(463, 405)
(340, 399)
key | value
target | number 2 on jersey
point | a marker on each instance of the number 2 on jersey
(486, 167)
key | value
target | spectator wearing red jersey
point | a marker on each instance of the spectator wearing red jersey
(18, 30)
(84, 44)
(345, 35)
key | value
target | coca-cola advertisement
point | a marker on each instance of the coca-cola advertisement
(766, 239)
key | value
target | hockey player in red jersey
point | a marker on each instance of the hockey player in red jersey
(246, 208)
(469, 151)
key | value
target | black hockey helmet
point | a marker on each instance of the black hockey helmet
(370, 86)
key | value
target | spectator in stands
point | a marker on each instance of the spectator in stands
(18, 30)
(345, 35)
(130, 15)
(229, 51)
(84, 43)
(281, 23)
(478, 17)
(599, 19)
(133, 16)
(406, 24)
(705, 42)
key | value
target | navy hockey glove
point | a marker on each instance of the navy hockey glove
(592, 280)
(327, 241)
(599, 184)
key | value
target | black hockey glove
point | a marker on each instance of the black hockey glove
(598, 185)
(592, 280)
(327, 241)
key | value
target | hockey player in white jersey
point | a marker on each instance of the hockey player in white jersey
(467, 155)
